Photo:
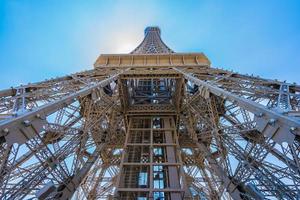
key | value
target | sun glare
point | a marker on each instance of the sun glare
(125, 48)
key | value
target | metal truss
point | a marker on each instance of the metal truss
(153, 124)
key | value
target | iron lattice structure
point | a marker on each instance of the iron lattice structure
(152, 124)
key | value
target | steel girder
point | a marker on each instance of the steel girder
(238, 135)
(54, 145)
(225, 123)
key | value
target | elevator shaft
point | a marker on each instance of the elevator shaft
(151, 167)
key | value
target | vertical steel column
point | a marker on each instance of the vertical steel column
(171, 158)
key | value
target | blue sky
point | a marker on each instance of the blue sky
(44, 39)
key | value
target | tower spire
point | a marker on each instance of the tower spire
(152, 42)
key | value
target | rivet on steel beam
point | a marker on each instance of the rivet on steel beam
(260, 114)
(272, 121)
(38, 115)
(26, 123)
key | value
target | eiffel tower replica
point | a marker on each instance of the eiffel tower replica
(152, 124)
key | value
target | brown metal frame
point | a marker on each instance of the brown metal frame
(230, 136)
